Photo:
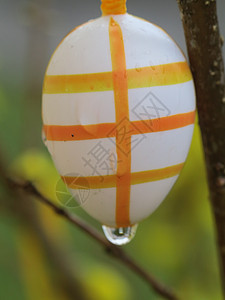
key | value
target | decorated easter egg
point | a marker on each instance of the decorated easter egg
(118, 114)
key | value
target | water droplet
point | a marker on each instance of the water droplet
(120, 236)
(137, 68)
(153, 68)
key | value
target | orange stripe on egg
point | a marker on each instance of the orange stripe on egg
(123, 147)
(90, 182)
(165, 74)
(110, 181)
(78, 132)
(107, 130)
(155, 175)
(164, 123)
(79, 83)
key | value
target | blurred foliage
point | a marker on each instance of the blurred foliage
(176, 243)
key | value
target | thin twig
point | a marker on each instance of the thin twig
(65, 277)
(111, 249)
(204, 45)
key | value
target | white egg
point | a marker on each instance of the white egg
(118, 114)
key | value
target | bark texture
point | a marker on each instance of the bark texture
(204, 45)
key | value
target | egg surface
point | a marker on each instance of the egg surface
(118, 114)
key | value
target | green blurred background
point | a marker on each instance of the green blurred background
(41, 256)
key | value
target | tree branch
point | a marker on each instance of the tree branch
(111, 249)
(204, 49)
(66, 279)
